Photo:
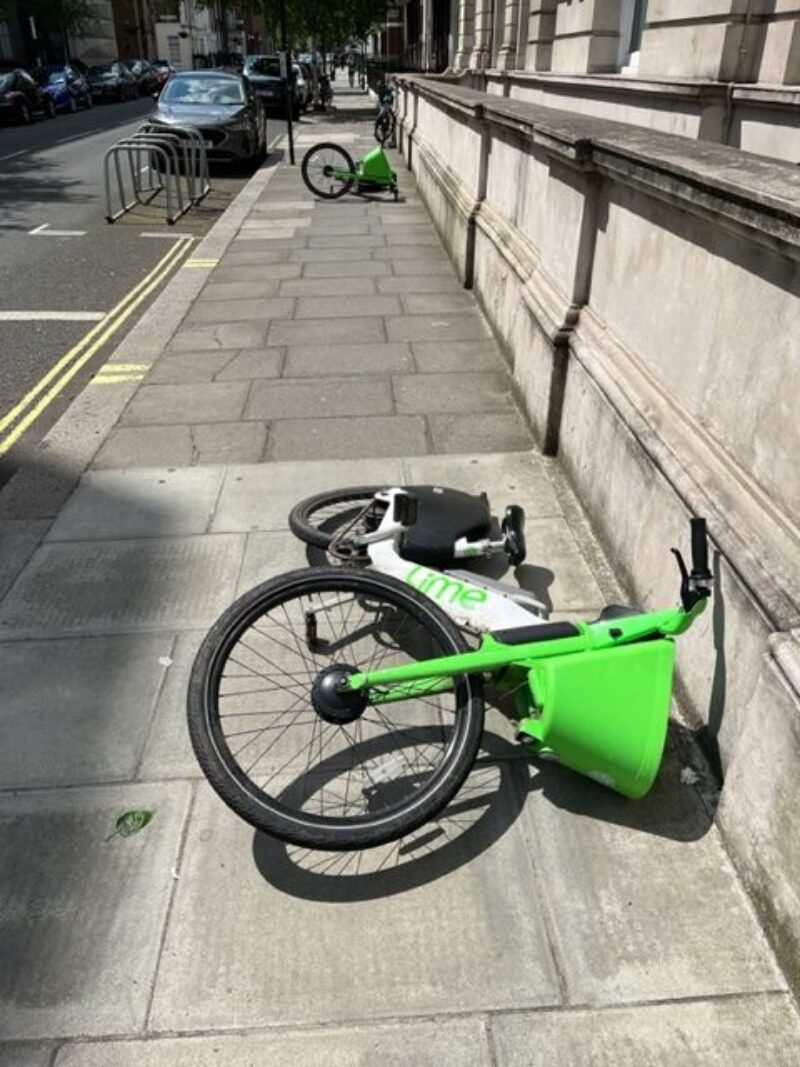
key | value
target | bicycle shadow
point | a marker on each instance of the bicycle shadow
(489, 803)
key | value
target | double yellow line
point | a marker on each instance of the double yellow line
(38, 399)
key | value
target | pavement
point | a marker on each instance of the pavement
(540, 919)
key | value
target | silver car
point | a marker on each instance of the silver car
(223, 106)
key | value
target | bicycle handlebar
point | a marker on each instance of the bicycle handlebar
(699, 549)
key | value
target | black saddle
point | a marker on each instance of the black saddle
(443, 517)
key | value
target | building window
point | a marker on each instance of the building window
(174, 49)
(633, 17)
(5, 41)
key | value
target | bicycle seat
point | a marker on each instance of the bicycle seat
(443, 517)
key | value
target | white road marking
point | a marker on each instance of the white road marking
(45, 231)
(51, 316)
(13, 155)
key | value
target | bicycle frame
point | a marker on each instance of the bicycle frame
(596, 700)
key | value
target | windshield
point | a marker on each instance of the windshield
(6, 82)
(267, 66)
(200, 90)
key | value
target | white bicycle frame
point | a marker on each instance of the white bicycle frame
(473, 602)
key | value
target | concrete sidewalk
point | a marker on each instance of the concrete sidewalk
(540, 920)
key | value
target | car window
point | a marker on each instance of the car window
(267, 66)
(25, 79)
(199, 90)
(6, 82)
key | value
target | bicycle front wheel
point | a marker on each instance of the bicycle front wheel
(292, 754)
(328, 171)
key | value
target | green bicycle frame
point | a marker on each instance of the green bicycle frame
(374, 167)
(598, 700)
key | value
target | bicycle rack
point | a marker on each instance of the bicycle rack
(164, 150)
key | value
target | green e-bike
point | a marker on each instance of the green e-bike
(340, 708)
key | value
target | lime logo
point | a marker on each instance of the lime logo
(446, 589)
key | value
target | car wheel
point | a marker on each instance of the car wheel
(89, 100)
(73, 103)
(24, 114)
(50, 108)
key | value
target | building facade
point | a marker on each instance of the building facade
(721, 70)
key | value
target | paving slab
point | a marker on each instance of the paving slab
(185, 367)
(16, 1054)
(253, 363)
(480, 432)
(682, 1034)
(464, 326)
(457, 1043)
(436, 265)
(229, 442)
(330, 255)
(363, 286)
(240, 290)
(644, 903)
(371, 240)
(427, 283)
(261, 497)
(305, 361)
(145, 446)
(251, 958)
(317, 307)
(239, 255)
(98, 587)
(139, 503)
(425, 303)
(78, 710)
(167, 751)
(339, 438)
(320, 397)
(224, 335)
(259, 309)
(252, 273)
(19, 539)
(352, 268)
(68, 968)
(155, 405)
(334, 331)
(433, 393)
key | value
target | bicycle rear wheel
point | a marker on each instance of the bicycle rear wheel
(384, 126)
(345, 513)
(323, 169)
(294, 757)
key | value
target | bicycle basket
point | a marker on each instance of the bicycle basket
(605, 713)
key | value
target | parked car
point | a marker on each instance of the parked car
(163, 70)
(146, 78)
(304, 84)
(264, 74)
(21, 98)
(65, 85)
(111, 81)
(223, 106)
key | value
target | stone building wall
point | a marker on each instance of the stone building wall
(646, 290)
(719, 70)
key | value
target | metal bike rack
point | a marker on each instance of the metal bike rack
(165, 149)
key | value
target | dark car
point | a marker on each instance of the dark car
(163, 70)
(111, 81)
(264, 74)
(21, 98)
(65, 85)
(222, 106)
(146, 78)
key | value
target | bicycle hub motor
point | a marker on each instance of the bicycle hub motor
(333, 700)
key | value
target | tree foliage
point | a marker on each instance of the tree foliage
(63, 16)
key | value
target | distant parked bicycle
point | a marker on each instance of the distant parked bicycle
(386, 122)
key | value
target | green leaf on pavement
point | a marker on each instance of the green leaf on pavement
(132, 822)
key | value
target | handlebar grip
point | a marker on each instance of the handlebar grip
(699, 547)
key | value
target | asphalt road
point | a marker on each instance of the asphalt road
(51, 180)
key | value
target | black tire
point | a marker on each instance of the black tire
(24, 114)
(73, 104)
(296, 808)
(89, 101)
(50, 109)
(316, 519)
(313, 167)
(384, 127)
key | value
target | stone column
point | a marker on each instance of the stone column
(507, 55)
(541, 29)
(481, 56)
(466, 26)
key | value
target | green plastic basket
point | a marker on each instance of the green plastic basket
(605, 713)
